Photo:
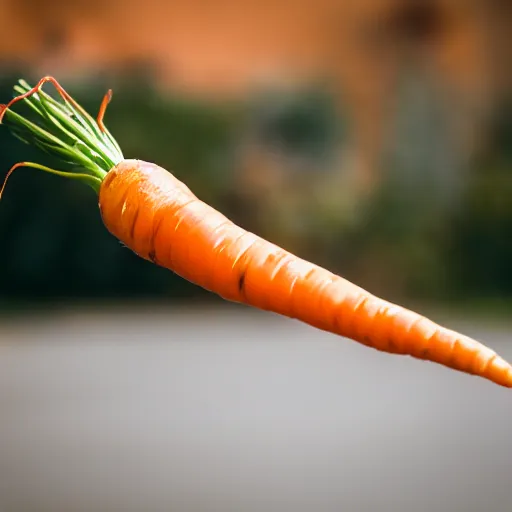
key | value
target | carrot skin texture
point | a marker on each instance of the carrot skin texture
(160, 219)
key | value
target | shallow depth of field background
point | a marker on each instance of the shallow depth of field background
(373, 137)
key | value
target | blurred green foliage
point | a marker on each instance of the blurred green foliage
(481, 249)
(401, 242)
(300, 125)
(439, 228)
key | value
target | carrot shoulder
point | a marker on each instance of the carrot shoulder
(160, 219)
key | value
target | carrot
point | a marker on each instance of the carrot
(160, 219)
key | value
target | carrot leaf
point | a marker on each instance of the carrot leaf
(62, 129)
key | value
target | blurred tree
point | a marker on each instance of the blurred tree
(481, 247)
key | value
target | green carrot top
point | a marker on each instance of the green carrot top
(64, 130)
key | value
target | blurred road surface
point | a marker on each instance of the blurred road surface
(236, 411)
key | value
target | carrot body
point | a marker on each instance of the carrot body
(161, 220)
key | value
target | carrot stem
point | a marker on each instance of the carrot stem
(92, 181)
(63, 129)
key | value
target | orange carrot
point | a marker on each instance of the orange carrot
(161, 220)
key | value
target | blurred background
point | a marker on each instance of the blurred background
(373, 137)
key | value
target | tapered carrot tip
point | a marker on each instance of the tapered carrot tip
(500, 372)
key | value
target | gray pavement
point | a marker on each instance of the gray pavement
(232, 410)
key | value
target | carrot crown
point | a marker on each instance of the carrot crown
(64, 130)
